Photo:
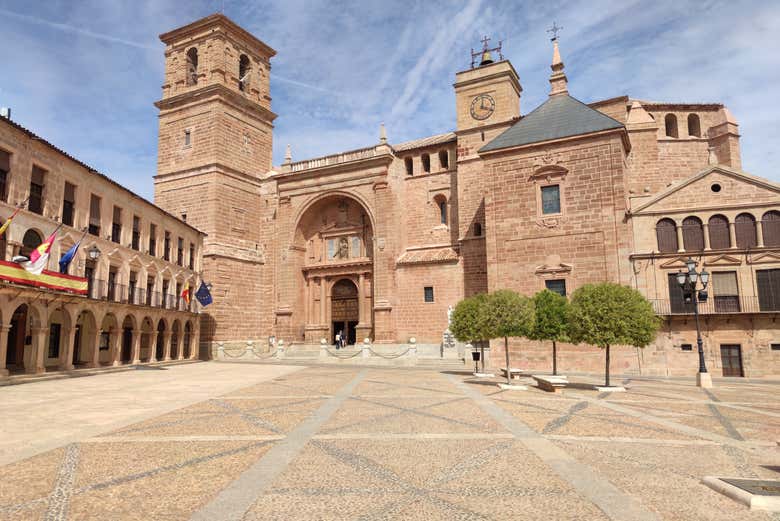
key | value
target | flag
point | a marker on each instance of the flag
(39, 257)
(8, 221)
(185, 294)
(65, 259)
(203, 294)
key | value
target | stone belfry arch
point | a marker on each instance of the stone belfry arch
(214, 151)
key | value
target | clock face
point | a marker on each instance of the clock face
(482, 106)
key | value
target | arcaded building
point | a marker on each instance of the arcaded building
(378, 243)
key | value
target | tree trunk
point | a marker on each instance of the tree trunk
(606, 369)
(482, 355)
(555, 361)
(508, 372)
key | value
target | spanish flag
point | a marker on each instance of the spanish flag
(8, 221)
(185, 294)
(39, 258)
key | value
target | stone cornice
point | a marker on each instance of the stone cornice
(218, 91)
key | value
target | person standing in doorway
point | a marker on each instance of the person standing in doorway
(338, 339)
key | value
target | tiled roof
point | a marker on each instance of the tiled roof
(558, 117)
(428, 256)
(426, 141)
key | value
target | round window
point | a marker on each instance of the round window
(715, 187)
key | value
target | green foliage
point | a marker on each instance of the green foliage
(610, 314)
(469, 319)
(509, 314)
(551, 314)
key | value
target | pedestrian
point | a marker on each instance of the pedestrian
(338, 339)
(343, 341)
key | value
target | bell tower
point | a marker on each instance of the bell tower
(214, 149)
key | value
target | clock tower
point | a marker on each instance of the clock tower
(214, 150)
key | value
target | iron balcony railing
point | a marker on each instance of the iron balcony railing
(716, 305)
(139, 296)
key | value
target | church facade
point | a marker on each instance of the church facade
(379, 242)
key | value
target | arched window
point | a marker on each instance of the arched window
(426, 163)
(718, 228)
(409, 166)
(693, 234)
(666, 233)
(477, 230)
(441, 204)
(694, 126)
(192, 66)
(671, 125)
(444, 160)
(30, 241)
(243, 72)
(745, 229)
(770, 223)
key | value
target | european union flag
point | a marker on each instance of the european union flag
(65, 259)
(203, 295)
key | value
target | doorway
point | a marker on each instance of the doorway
(14, 357)
(731, 359)
(127, 345)
(345, 312)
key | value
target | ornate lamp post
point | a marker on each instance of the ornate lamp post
(688, 281)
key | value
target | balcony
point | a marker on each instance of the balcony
(714, 306)
(123, 294)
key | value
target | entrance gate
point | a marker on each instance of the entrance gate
(345, 312)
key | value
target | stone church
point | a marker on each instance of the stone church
(379, 242)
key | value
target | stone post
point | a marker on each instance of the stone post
(37, 356)
(114, 348)
(95, 354)
(3, 348)
(195, 341)
(323, 349)
(366, 347)
(705, 228)
(280, 349)
(66, 354)
(153, 346)
(135, 349)
(180, 348)
(166, 346)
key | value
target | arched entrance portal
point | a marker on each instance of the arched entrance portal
(331, 262)
(344, 310)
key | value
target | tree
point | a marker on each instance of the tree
(609, 314)
(550, 320)
(509, 314)
(469, 322)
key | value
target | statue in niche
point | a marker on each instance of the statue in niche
(343, 251)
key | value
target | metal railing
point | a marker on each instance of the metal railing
(98, 289)
(715, 305)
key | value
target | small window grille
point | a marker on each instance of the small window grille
(686, 347)
(428, 290)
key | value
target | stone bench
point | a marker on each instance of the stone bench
(550, 383)
(514, 372)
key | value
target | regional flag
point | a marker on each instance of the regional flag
(185, 294)
(203, 294)
(8, 221)
(39, 257)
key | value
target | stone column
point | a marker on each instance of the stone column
(153, 346)
(306, 303)
(195, 342)
(114, 348)
(166, 346)
(733, 235)
(37, 356)
(680, 241)
(180, 349)
(705, 228)
(323, 310)
(135, 349)
(95, 361)
(3, 348)
(361, 299)
(759, 233)
(66, 354)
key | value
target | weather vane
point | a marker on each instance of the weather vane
(554, 30)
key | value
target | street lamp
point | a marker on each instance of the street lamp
(93, 252)
(688, 282)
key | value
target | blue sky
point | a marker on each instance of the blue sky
(84, 73)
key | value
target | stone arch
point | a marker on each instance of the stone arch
(693, 233)
(187, 345)
(666, 235)
(442, 212)
(146, 348)
(745, 230)
(129, 327)
(162, 330)
(20, 355)
(718, 229)
(31, 239)
(83, 343)
(59, 324)
(770, 222)
(670, 122)
(313, 200)
(107, 342)
(192, 66)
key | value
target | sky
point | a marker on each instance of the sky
(84, 74)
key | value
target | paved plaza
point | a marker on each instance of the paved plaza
(215, 441)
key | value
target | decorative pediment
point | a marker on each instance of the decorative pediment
(553, 266)
(548, 172)
(723, 260)
(765, 258)
(675, 264)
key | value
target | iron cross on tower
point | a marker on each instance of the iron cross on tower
(479, 56)
(554, 30)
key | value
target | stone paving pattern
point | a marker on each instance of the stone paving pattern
(370, 444)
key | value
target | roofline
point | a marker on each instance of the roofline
(608, 101)
(168, 37)
(695, 177)
(417, 147)
(30, 134)
(622, 130)
(682, 106)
